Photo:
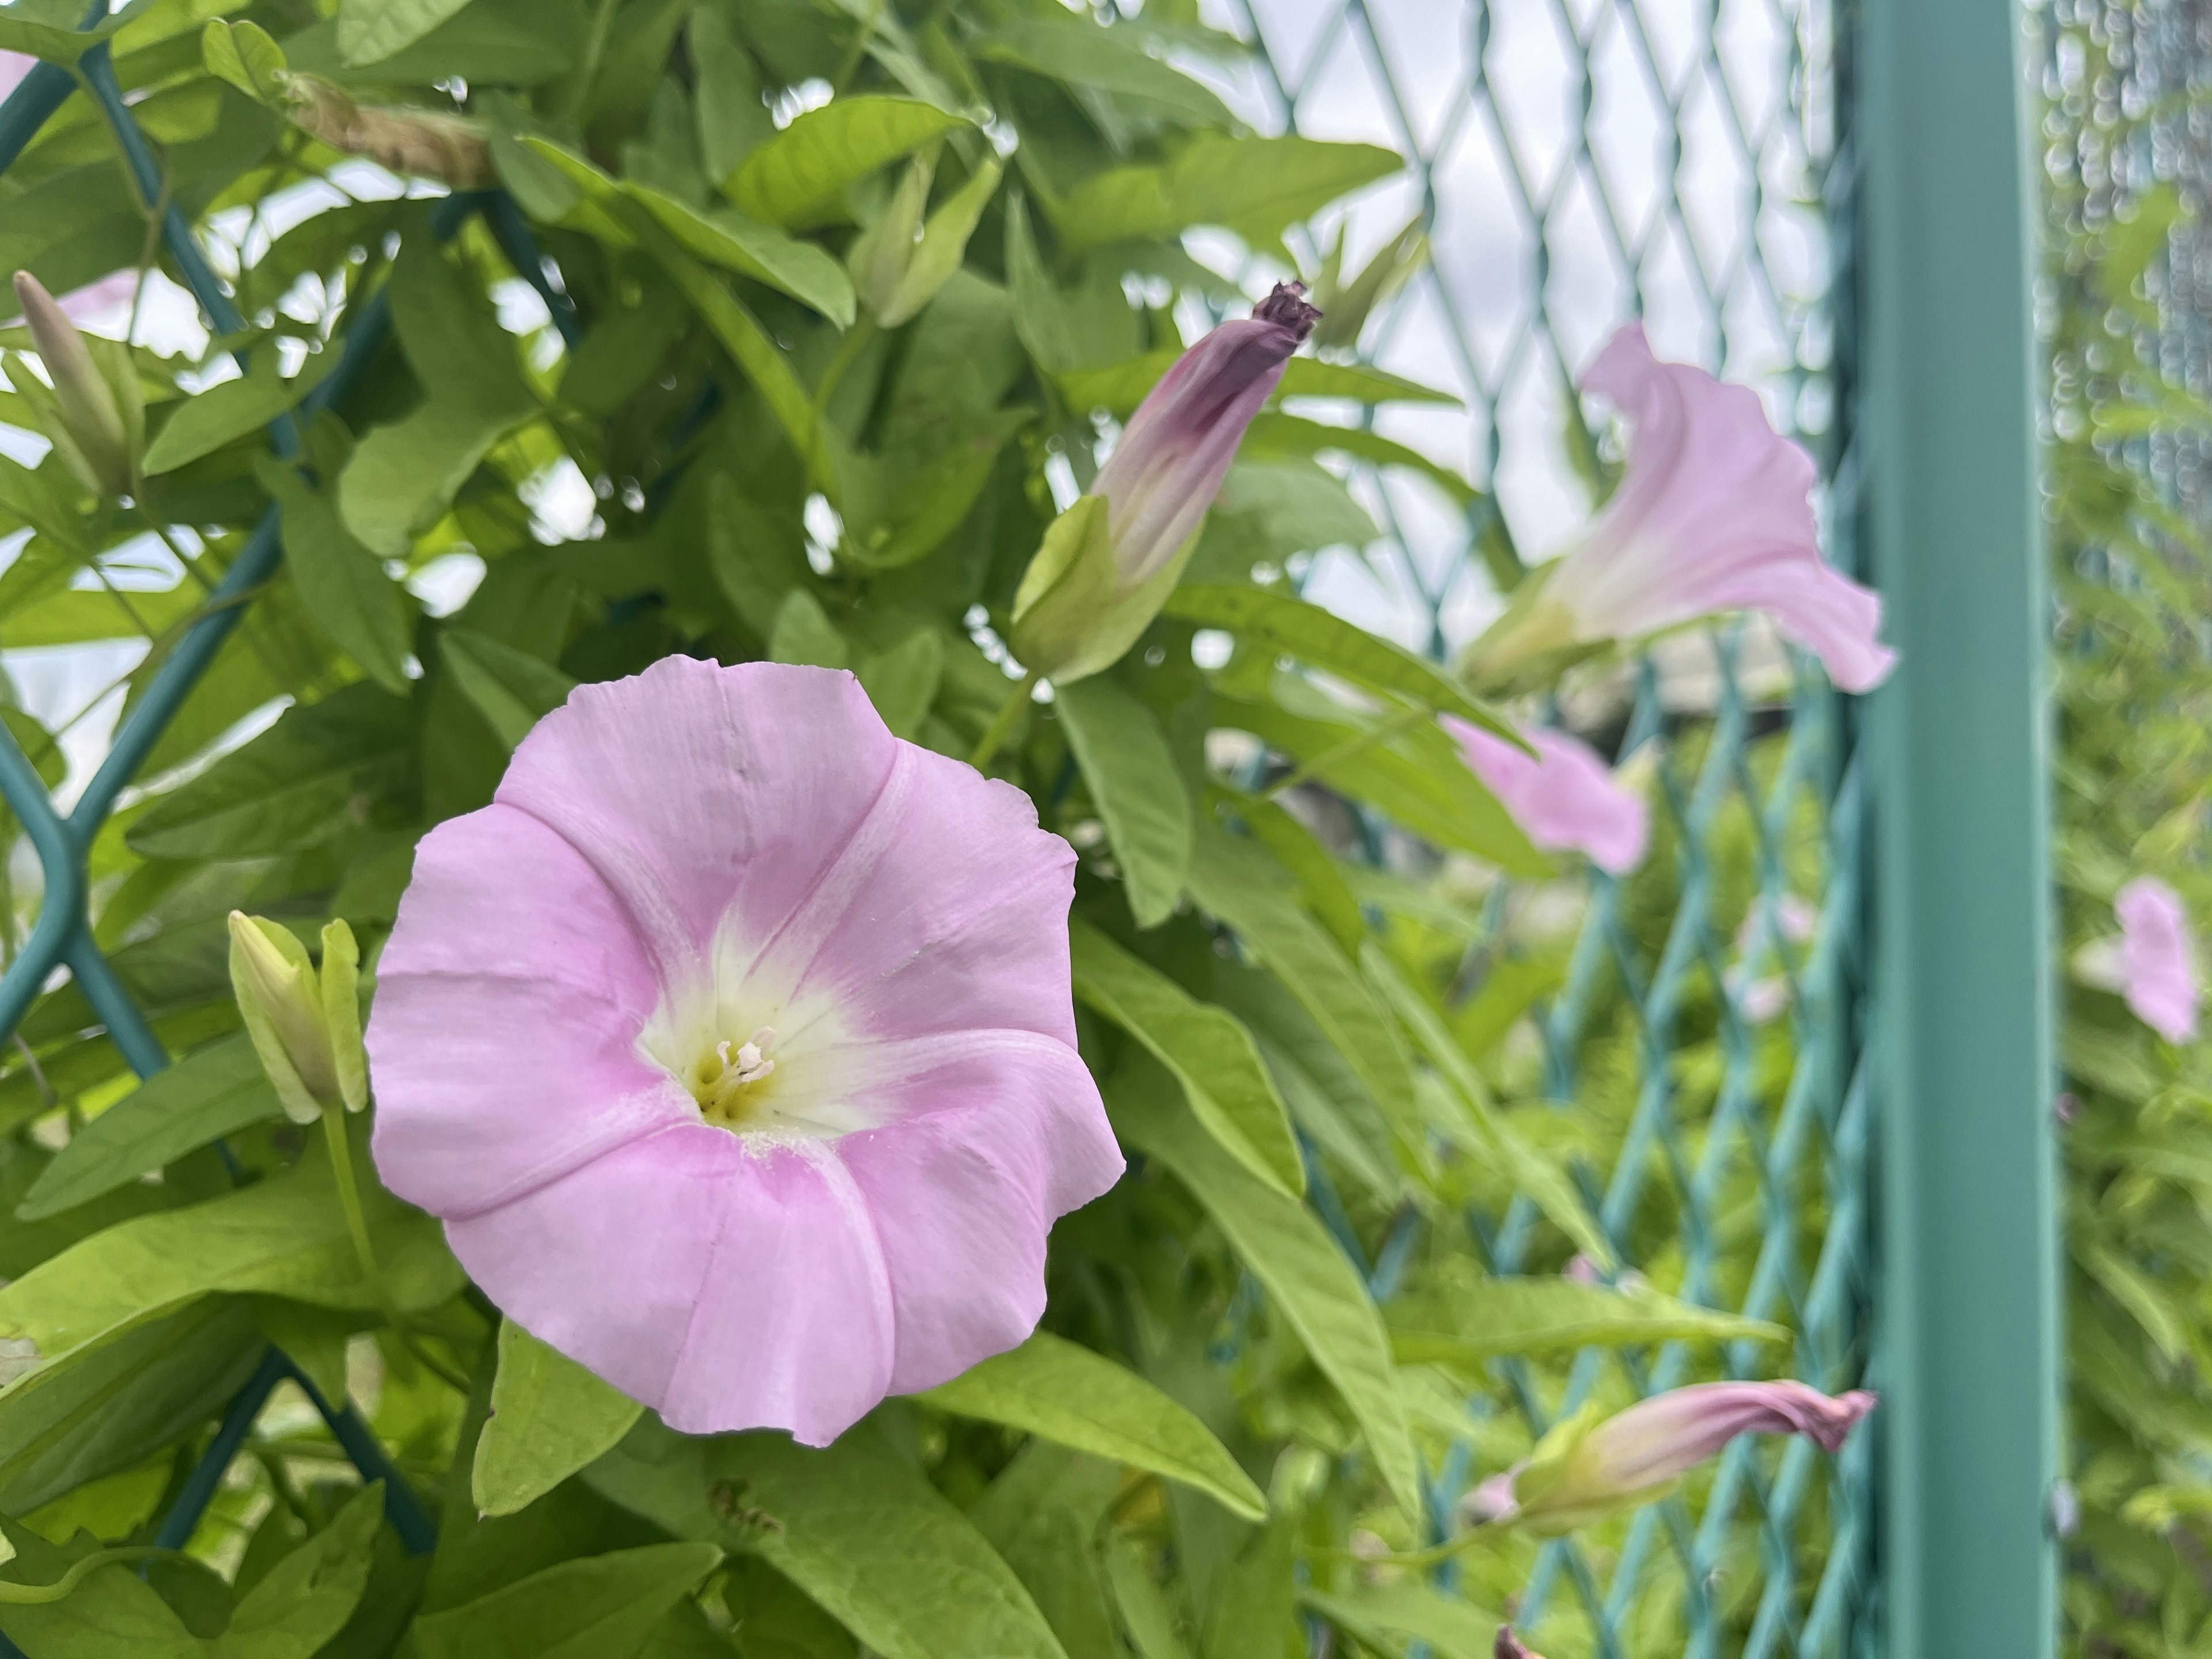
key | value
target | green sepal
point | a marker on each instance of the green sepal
(341, 996)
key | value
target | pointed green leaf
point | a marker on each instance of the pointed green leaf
(1487, 1132)
(1468, 1321)
(1257, 187)
(284, 1237)
(804, 634)
(370, 31)
(1231, 884)
(511, 688)
(549, 1418)
(1069, 1395)
(1307, 1277)
(211, 1092)
(798, 177)
(1118, 388)
(1391, 1618)
(597, 1607)
(342, 584)
(1287, 625)
(1211, 1053)
(204, 424)
(1134, 783)
(859, 1529)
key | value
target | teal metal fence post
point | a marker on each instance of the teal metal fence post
(1968, 1321)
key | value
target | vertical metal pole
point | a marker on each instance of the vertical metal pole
(1968, 1327)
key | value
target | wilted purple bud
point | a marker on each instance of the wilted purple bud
(1585, 1468)
(1101, 578)
(1510, 1646)
(97, 431)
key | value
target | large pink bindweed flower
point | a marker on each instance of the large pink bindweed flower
(2158, 965)
(1586, 1468)
(1109, 561)
(1564, 796)
(1713, 513)
(734, 1044)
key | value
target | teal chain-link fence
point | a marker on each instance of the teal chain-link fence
(1576, 166)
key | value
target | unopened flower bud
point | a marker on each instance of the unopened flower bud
(1510, 1646)
(1108, 563)
(1588, 1468)
(96, 419)
(306, 1027)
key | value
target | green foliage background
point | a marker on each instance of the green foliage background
(1381, 1083)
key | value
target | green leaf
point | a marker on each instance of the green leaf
(1134, 783)
(804, 634)
(511, 688)
(1392, 1617)
(245, 56)
(1231, 885)
(1044, 1513)
(1257, 187)
(1403, 762)
(903, 681)
(204, 424)
(549, 1418)
(798, 178)
(1486, 1131)
(1144, 1609)
(722, 236)
(211, 1092)
(1468, 1321)
(294, 786)
(285, 1236)
(1209, 1051)
(1120, 387)
(370, 31)
(602, 1606)
(1273, 433)
(1079, 53)
(125, 1402)
(341, 583)
(1285, 624)
(858, 1527)
(1307, 1278)
(1081, 1399)
(733, 121)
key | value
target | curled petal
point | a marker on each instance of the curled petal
(1565, 796)
(1714, 514)
(2157, 968)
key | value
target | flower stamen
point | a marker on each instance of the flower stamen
(721, 1082)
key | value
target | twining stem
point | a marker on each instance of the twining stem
(1004, 722)
(1358, 743)
(848, 352)
(31, 1596)
(1416, 1559)
(334, 1131)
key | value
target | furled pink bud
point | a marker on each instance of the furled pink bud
(1564, 795)
(1714, 514)
(2158, 966)
(1588, 1468)
(1510, 1646)
(1108, 562)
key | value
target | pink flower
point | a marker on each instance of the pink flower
(1792, 922)
(2158, 969)
(1102, 576)
(734, 1044)
(1714, 514)
(1586, 1468)
(1564, 797)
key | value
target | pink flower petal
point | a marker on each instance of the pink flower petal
(724, 1286)
(734, 1045)
(506, 929)
(963, 1195)
(694, 791)
(1563, 798)
(1713, 513)
(2157, 958)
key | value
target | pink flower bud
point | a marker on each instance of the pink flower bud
(2158, 966)
(1564, 795)
(1099, 579)
(1510, 1646)
(1586, 1468)
(1714, 514)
